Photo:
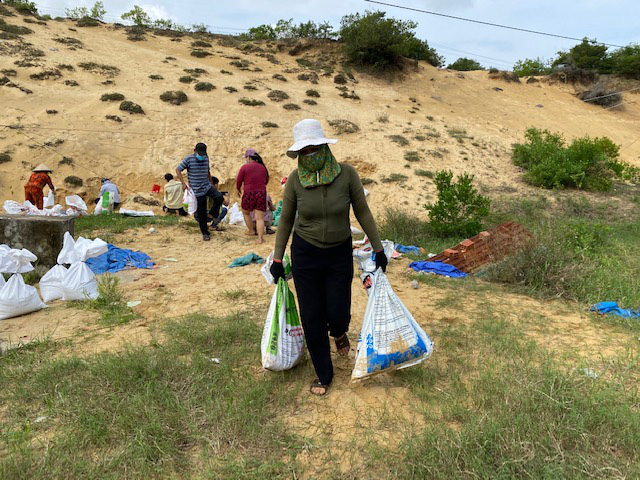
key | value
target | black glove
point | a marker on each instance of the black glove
(381, 261)
(277, 271)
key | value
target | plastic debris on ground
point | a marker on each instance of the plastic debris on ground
(612, 308)
(234, 215)
(438, 268)
(116, 259)
(415, 284)
(16, 297)
(390, 338)
(590, 373)
(136, 213)
(365, 258)
(409, 249)
(282, 344)
(265, 269)
(133, 303)
(247, 259)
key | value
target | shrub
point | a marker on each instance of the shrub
(66, 161)
(72, 42)
(71, 83)
(370, 39)
(350, 96)
(464, 64)
(46, 75)
(10, 32)
(115, 118)
(97, 12)
(251, 102)
(587, 55)
(423, 173)
(367, 181)
(138, 16)
(174, 97)
(186, 79)
(313, 93)
(200, 53)
(586, 163)
(459, 209)
(226, 72)
(277, 76)
(309, 77)
(411, 156)
(156, 77)
(101, 69)
(277, 95)
(73, 181)
(66, 66)
(200, 44)
(309, 101)
(340, 79)
(395, 177)
(9, 72)
(87, 22)
(529, 67)
(250, 87)
(241, 64)
(52, 112)
(269, 125)
(128, 106)
(23, 6)
(5, 157)
(195, 72)
(344, 126)
(291, 106)
(204, 87)
(399, 139)
(112, 97)
(231, 89)
(626, 60)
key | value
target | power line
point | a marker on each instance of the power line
(508, 27)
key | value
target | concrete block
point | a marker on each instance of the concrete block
(41, 235)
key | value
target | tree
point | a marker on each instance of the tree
(529, 67)
(97, 12)
(465, 65)
(371, 39)
(138, 16)
(587, 55)
(261, 32)
(626, 60)
(420, 50)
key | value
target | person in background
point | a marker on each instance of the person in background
(225, 202)
(110, 187)
(33, 190)
(173, 196)
(268, 217)
(199, 178)
(254, 176)
(322, 191)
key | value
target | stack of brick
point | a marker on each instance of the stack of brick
(486, 247)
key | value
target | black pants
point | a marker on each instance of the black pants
(201, 210)
(175, 211)
(323, 282)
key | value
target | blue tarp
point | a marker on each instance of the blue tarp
(612, 308)
(407, 249)
(117, 259)
(246, 260)
(439, 268)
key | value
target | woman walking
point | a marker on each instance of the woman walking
(321, 191)
(254, 176)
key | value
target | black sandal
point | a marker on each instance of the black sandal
(316, 384)
(342, 342)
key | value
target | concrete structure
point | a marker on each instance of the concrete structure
(41, 235)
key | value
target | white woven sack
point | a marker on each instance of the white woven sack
(51, 283)
(18, 298)
(390, 338)
(79, 283)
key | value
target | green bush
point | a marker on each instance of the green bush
(460, 209)
(587, 163)
(200, 53)
(112, 97)
(138, 16)
(587, 55)
(128, 106)
(200, 44)
(529, 67)
(186, 79)
(372, 40)
(204, 86)
(73, 181)
(174, 97)
(23, 6)
(313, 93)
(465, 65)
(627, 60)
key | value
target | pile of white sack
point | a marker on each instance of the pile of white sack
(75, 207)
(77, 282)
(16, 297)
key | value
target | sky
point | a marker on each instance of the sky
(609, 21)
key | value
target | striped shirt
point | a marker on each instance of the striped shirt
(198, 171)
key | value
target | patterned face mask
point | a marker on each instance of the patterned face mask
(312, 162)
(319, 168)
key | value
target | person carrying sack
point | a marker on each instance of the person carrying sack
(322, 191)
(197, 166)
(33, 190)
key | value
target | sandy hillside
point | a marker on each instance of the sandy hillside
(422, 106)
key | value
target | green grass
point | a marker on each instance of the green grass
(160, 411)
(90, 225)
(110, 303)
(499, 406)
(412, 156)
(424, 173)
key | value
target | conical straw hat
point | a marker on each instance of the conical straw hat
(42, 168)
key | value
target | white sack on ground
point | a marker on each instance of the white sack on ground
(390, 338)
(2, 280)
(76, 205)
(235, 215)
(79, 283)
(51, 283)
(49, 201)
(80, 250)
(13, 260)
(18, 298)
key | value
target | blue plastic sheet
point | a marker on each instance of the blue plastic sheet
(439, 268)
(246, 260)
(407, 249)
(117, 259)
(612, 308)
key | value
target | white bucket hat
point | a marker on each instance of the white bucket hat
(42, 168)
(307, 132)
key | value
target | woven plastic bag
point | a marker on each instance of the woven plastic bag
(390, 338)
(49, 201)
(282, 343)
(79, 283)
(51, 283)
(18, 298)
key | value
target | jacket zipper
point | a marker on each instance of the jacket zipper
(324, 214)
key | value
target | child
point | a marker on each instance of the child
(268, 217)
